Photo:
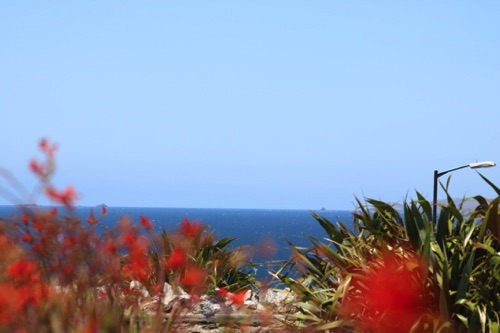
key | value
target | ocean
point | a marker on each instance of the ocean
(251, 227)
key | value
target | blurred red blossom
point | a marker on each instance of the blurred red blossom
(176, 260)
(110, 247)
(66, 197)
(194, 278)
(23, 271)
(47, 147)
(37, 168)
(190, 229)
(239, 297)
(92, 218)
(391, 296)
(222, 292)
(27, 238)
(146, 223)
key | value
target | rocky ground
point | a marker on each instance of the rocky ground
(259, 312)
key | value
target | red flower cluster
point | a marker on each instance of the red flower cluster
(180, 263)
(21, 287)
(137, 264)
(392, 295)
(23, 271)
(66, 197)
(44, 170)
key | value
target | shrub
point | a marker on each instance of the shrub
(61, 274)
(362, 279)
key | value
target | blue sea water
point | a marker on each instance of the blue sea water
(252, 227)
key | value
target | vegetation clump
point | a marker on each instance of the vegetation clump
(393, 271)
(397, 272)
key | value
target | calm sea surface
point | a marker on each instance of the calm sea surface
(248, 226)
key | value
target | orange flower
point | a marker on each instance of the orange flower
(190, 230)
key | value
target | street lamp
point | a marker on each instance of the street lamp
(477, 165)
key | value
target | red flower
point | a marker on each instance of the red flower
(102, 294)
(190, 230)
(27, 238)
(37, 224)
(92, 219)
(239, 297)
(110, 247)
(222, 292)
(104, 210)
(70, 242)
(46, 147)
(390, 297)
(65, 197)
(176, 260)
(194, 277)
(37, 168)
(137, 265)
(23, 271)
(66, 270)
(146, 223)
(10, 303)
(130, 239)
(25, 219)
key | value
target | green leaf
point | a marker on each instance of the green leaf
(412, 229)
(333, 233)
(493, 186)
(330, 325)
(465, 274)
(491, 220)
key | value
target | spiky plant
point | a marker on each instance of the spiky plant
(458, 259)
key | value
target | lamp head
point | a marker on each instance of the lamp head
(486, 164)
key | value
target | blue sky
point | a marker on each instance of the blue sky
(251, 104)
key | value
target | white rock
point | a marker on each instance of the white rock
(137, 286)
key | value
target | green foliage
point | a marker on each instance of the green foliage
(225, 267)
(461, 252)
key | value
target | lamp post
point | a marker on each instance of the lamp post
(477, 165)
